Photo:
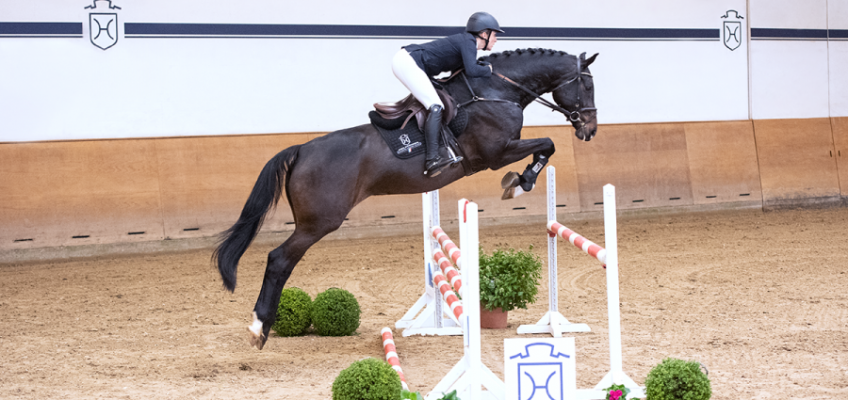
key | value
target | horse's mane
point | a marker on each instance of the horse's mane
(521, 52)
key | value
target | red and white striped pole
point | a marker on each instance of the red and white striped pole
(449, 247)
(391, 354)
(448, 269)
(450, 297)
(555, 228)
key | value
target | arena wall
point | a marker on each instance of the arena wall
(162, 137)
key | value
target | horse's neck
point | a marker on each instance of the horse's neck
(539, 76)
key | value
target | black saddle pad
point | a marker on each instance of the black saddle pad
(404, 143)
(409, 141)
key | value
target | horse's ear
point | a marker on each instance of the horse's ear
(588, 62)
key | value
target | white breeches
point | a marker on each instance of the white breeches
(415, 79)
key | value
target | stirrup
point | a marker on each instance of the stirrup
(435, 167)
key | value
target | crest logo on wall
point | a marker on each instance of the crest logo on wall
(103, 26)
(731, 30)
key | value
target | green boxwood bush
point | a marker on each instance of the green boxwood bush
(294, 313)
(509, 279)
(368, 379)
(675, 379)
(335, 312)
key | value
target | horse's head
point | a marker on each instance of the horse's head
(577, 96)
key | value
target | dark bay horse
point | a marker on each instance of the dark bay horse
(326, 177)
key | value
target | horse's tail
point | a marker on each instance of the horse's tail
(266, 193)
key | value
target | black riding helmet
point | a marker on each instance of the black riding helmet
(480, 21)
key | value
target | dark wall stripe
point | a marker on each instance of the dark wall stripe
(41, 28)
(611, 33)
(788, 34)
(838, 33)
(383, 31)
(159, 29)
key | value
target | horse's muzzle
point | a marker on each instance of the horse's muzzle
(585, 131)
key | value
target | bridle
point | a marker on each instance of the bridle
(573, 116)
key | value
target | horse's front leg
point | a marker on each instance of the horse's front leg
(515, 184)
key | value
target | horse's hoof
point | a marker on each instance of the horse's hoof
(509, 181)
(257, 337)
(512, 193)
(257, 341)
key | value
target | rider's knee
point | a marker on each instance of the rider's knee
(435, 108)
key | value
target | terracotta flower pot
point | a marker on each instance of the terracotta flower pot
(495, 319)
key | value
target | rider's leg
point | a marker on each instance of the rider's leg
(418, 83)
(433, 162)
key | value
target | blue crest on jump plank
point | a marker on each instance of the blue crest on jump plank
(539, 369)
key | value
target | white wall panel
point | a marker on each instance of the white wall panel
(68, 89)
(837, 18)
(837, 14)
(790, 14)
(790, 62)
(789, 79)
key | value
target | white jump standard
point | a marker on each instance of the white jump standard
(429, 315)
(469, 375)
(553, 322)
(609, 258)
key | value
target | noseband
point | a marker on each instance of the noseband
(573, 116)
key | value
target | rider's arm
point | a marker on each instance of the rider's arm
(468, 47)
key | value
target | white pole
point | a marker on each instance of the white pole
(616, 375)
(553, 297)
(613, 309)
(429, 246)
(470, 242)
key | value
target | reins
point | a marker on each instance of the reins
(573, 116)
(476, 98)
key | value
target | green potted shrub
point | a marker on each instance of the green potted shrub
(509, 279)
(368, 379)
(293, 312)
(335, 312)
(675, 379)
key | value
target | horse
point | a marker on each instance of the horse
(323, 179)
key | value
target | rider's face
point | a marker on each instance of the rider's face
(481, 42)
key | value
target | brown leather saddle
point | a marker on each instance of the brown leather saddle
(409, 107)
(452, 117)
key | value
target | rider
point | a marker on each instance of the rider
(414, 64)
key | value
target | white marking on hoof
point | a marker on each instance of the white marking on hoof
(257, 338)
(518, 192)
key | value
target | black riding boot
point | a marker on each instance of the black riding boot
(433, 163)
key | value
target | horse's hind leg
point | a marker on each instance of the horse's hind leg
(320, 201)
(281, 263)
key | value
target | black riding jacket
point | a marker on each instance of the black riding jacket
(449, 54)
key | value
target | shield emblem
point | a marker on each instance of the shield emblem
(732, 34)
(103, 29)
(404, 140)
(540, 381)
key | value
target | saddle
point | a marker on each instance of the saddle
(409, 107)
(406, 140)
